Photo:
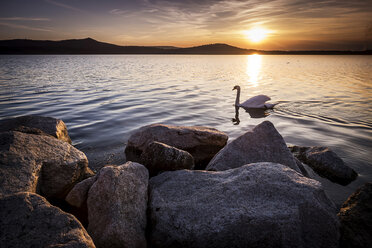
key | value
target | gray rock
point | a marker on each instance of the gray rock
(39, 164)
(261, 144)
(256, 205)
(356, 219)
(79, 193)
(201, 142)
(28, 220)
(159, 157)
(325, 163)
(117, 203)
(37, 125)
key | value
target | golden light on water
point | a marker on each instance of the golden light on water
(253, 69)
(256, 34)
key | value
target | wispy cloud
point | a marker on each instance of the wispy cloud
(119, 12)
(11, 25)
(66, 6)
(228, 15)
(23, 19)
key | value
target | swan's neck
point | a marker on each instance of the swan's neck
(237, 100)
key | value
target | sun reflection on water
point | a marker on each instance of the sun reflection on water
(253, 69)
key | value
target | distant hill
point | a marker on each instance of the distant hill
(165, 47)
(213, 49)
(91, 46)
(78, 46)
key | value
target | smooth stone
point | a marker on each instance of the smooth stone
(117, 204)
(325, 163)
(201, 142)
(29, 220)
(356, 219)
(255, 205)
(261, 144)
(32, 123)
(159, 157)
(39, 164)
(79, 193)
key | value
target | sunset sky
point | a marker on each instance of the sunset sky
(283, 24)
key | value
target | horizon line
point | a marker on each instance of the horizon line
(171, 47)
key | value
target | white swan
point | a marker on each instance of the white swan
(256, 102)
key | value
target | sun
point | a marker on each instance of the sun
(256, 34)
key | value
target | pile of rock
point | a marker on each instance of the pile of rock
(253, 192)
(37, 161)
(201, 142)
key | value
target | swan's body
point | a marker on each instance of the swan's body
(256, 102)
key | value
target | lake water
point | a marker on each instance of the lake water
(324, 100)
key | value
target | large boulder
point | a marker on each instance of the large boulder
(261, 144)
(39, 164)
(356, 219)
(201, 142)
(325, 163)
(117, 203)
(255, 205)
(159, 157)
(37, 125)
(28, 220)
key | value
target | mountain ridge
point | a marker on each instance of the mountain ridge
(92, 46)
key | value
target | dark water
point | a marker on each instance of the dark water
(324, 100)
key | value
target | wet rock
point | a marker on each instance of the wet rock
(255, 205)
(28, 220)
(325, 163)
(261, 144)
(117, 203)
(201, 142)
(356, 219)
(37, 125)
(159, 157)
(41, 164)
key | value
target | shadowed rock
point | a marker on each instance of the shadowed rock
(77, 199)
(325, 163)
(117, 203)
(28, 220)
(255, 205)
(79, 193)
(262, 144)
(31, 124)
(201, 142)
(356, 219)
(40, 164)
(302, 168)
(159, 157)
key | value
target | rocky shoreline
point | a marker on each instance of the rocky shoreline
(180, 187)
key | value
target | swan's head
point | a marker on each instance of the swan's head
(236, 87)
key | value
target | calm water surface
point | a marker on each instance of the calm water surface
(324, 100)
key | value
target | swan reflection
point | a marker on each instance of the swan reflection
(236, 120)
(257, 113)
(253, 68)
(253, 113)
